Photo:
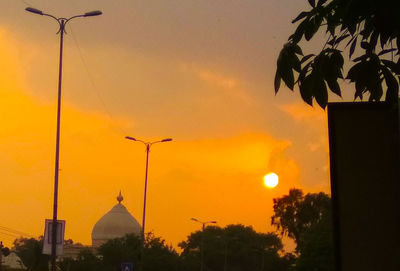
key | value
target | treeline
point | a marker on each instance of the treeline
(304, 218)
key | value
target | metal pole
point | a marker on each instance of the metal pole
(57, 160)
(202, 248)
(144, 206)
(1, 255)
(145, 190)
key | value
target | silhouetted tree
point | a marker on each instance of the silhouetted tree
(86, 261)
(308, 220)
(157, 255)
(30, 252)
(369, 29)
(235, 247)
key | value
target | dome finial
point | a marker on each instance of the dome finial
(120, 197)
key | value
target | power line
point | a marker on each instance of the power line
(26, 3)
(94, 87)
(9, 234)
(15, 232)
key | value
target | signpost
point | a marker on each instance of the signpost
(48, 237)
(127, 267)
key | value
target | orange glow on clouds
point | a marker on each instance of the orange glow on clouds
(208, 178)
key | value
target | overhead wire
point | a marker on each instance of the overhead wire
(10, 231)
(94, 86)
(26, 3)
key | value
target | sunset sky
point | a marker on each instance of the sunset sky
(198, 71)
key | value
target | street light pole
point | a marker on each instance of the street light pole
(148, 145)
(202, 240)
(61, 22)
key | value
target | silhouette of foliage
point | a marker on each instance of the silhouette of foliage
(157, 255)
(235, 247)
(86, 261)
(5, 251)
(308, 220)
(30, 252)
(370, 28)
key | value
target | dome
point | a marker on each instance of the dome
(114, 224)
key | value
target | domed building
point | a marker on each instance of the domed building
(116, 223)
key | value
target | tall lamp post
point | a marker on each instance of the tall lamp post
(148, 145)
(61, 22)
(202, 240)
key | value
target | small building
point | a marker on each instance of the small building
(12, 261)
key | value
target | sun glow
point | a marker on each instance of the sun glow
(271, 180)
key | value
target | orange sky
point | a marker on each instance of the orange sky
(200, 72)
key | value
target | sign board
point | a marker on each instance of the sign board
(127, 267)
(365, 181)
(48, 237)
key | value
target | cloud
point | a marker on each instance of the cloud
(227, 85)
(302, 112)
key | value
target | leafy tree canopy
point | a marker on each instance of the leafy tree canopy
(86, 261)
(235, 247)
(294, 213)
(157, 254)
(367, 31)
(30, 252)
(307, 220)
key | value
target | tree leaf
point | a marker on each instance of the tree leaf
(284, 67)
(352, 28)
(297, 49)
(365, 45)
(384, 38)
(342, 38)
(321, 64)
(295, 63)
(398, 44)
(390, 80)
(306, 90)
(386, 51)
(351, 40)
(332, 41)
(352, 47)
(390, 64)
(305, 58)
(277, 82)
(288, 78)
(334, 86)
(355, 72)
(300, 16)
(376, 92)
(374, 39)
(320, 92)
(392, 94)
(312, 27)
(337, 59)
(298, 34)
(359, 91)
(360, 58)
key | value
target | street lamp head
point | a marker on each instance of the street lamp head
(130, 138)
(166, 140)
(34, 10)
(93, 13)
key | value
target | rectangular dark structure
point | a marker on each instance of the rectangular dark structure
(364, 161)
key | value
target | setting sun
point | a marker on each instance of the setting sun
(271, 180)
